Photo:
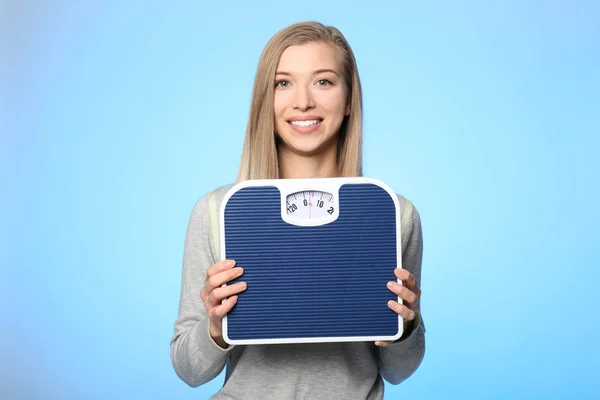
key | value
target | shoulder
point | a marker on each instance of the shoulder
(407, 208)
(216, 193)
(220, 192)
(209, 199)
(410, 220)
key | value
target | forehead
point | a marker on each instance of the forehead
(309, 57)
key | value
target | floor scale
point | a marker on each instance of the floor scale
(317, 255)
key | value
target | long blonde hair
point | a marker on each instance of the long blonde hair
(259, 155)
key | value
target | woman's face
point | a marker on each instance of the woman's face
(310, 99)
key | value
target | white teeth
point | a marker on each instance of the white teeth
(305, 123)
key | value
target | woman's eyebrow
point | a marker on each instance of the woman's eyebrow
(318, 71)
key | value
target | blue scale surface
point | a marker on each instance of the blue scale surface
(311, 282)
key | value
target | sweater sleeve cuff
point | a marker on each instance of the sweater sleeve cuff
(206, 341)
(416, 323)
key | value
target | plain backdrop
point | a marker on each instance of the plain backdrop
(117, 117)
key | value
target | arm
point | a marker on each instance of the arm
(401, 359)
(195, 356)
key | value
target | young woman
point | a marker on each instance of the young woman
(305, 122)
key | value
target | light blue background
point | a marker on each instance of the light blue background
(116, 118)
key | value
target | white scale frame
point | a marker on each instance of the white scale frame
(287, 188)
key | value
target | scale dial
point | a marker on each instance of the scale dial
(310, 204)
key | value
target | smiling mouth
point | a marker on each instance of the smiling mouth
(305, 123)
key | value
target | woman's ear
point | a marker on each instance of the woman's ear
(347, 109)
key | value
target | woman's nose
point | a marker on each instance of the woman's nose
(303, 99)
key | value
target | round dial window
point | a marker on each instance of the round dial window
(310, 204)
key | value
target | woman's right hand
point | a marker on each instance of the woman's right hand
(213, 293)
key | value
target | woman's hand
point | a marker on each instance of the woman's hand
(213, 293)
(410, 295)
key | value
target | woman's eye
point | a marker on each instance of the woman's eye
(323, 82)
(282, 83)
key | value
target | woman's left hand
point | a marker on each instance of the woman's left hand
(410, 295)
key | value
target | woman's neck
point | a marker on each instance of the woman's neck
(294, 166)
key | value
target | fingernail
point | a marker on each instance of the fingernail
(390, 303)
(230, 263)
(242, 285)
(390, 284)
(239, 270)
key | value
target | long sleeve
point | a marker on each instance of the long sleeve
(401, 359)
(196, 358)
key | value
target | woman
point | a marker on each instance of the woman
(305, 122)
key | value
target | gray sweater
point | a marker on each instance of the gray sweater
(352, 370)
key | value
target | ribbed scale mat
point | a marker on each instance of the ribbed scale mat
(309, 282)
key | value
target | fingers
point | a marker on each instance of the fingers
(410, 291)
(405, 276)
(401, 310)
(219, 267)
(218, 274)
(410, 295)
(213, 293)
(403, 292)
(220, 293)
(217, 313)
(220, 278)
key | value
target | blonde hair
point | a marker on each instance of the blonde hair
(259, 155)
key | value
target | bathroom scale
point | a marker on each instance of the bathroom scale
(317, 255)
